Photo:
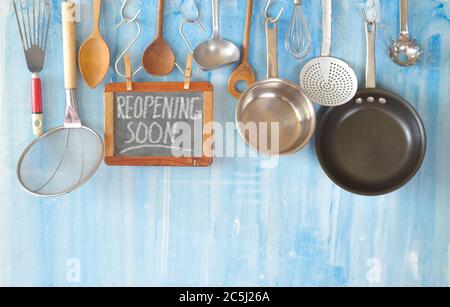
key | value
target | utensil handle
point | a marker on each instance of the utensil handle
(160, 22)
(272, 48)
(215, 4)
(404, 17)
(326, 27)
(69, 45)
(370, 60)
(188, 73)
(36, 105)
(248, 26)
(96, 9)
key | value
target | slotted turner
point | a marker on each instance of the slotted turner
(33, 20)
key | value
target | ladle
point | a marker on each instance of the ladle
(216, 52)
(404, 51)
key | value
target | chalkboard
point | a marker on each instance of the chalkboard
(158, 124)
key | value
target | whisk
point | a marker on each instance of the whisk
(298, 37)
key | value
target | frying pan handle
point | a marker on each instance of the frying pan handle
(326, 27)
(272, 47)
(370, 60)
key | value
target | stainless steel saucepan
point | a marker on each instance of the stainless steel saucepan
(275, 102)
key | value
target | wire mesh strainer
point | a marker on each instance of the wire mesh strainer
(327, 80)
(64, 158)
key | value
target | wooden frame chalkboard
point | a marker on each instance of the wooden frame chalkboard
(113, 94)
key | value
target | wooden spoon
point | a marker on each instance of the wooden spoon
(94, 55)
(158, 59)
(244, 71)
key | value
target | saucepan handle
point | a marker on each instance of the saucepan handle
(272, 47)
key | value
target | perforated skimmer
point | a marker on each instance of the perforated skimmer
(327, 80)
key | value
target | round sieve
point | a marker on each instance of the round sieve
(60, 161)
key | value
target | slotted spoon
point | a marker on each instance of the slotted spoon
(327, 80)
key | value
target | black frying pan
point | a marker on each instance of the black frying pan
(375, 143)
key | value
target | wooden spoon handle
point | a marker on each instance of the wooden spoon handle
(248, 26)
(96, 8)
(160, 22)
(69, 45)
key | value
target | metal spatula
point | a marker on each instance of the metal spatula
(33, 20)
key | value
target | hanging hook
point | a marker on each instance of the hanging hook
(124, 18)
(373, 11)
(186, 20)
(128, 20)
(272, 19)
(195, 19)
(366, 17)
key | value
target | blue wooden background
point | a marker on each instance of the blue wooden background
(235, 223)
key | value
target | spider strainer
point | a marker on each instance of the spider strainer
(327, 80)
(63, 159)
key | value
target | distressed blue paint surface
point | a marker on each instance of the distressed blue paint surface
(235, 223)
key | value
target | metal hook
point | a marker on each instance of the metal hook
(128, 20)
(124, 18)
(372, 9)
(196, 17)
(368, 20)
(272, 19)
(183, 36)
(185, 21)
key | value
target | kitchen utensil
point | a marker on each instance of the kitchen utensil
(94, 55)
(33, 30)
(298, 37)
(159, 59)
(374, 144)
(327, 80)
(244, 72)
(275, 102)
(404, 51)
(63, 159)
(216, 52)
